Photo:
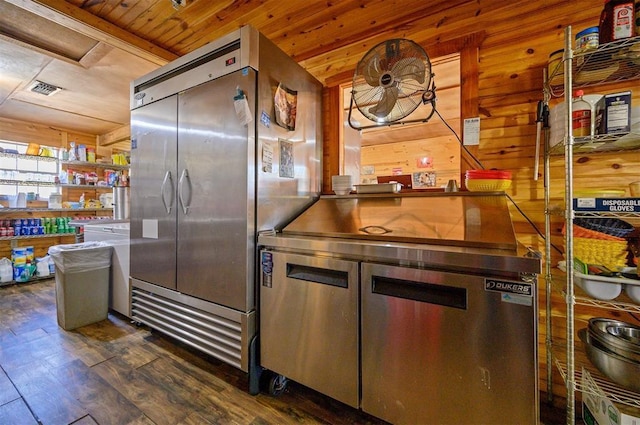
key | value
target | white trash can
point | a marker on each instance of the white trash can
(82, 282)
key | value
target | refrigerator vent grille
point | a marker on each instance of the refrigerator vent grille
(214, 335)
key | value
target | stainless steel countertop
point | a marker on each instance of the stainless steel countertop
(463, 231)
(469, 219)
(467, 259)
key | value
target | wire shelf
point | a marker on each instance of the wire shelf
(614, 62)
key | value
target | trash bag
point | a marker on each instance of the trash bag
(81, 257)
(6, 270)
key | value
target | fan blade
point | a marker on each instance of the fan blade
(409, 68)
(372, 71)
(386, 104)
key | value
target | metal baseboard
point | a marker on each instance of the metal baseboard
(218, 331)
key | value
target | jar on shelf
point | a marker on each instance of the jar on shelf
(581, 115)
(587, 39)
(91, 155)
(616, 20)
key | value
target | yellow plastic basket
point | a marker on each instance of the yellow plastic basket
(487, 185)
(611, 254)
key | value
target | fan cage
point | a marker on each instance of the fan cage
(391, 80)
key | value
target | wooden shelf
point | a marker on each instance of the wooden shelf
(95, 164)
(48, 235)
(85, 186)
(29, 210)
(32, 280)
(27, 183)
(25, 156)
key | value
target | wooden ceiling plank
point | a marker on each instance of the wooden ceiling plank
(85, 23)
(228, 23)
(150, 21)
(196, 20)
(109, 6)
(373, 26)
(167, 23)
(128, 12)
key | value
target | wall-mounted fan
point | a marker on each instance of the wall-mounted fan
(391, 81)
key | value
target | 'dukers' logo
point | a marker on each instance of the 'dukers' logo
(519, 288)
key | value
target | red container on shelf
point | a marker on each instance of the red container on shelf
(616, 21)
(488, 174)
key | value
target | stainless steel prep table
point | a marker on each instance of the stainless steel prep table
(407, 306)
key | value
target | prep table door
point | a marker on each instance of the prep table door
(438, 347)
(309, 322)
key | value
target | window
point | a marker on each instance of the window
(427, 153)
(25, 173)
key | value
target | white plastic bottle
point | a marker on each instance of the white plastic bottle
(581, 116)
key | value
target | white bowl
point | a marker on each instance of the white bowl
(633, 291)
(598, 288)
(341, 180)
(342, 192)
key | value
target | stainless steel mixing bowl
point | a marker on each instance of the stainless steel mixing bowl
(616, 333)
(620, 370)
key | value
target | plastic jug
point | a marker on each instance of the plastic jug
(6, 270)
(42, 267)
(106, 199)
(55, 201)
(18, 201)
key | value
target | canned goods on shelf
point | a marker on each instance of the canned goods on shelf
(555, 66)
(587, 39)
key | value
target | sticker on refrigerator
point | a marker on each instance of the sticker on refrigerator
(517, 299)
(267, 268)
(150, 229)
(265, 119)
(267, 158)
(509, 287)
(286, 158)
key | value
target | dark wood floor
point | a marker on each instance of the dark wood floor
(113, 372)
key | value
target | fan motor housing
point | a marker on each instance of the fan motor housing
(386, 79)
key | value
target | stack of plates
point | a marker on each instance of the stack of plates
(341, 185)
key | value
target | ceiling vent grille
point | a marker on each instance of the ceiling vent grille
(44, 88)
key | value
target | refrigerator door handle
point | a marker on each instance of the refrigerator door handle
(167, 178)
(185, 176)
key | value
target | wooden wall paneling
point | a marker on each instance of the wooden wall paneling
(25, 132)
(387, 158)
(331, 134)
(469, 70)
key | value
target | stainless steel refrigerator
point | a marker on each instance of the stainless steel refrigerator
(214, 160)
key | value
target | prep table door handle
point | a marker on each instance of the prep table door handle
(448, 296)
(184, 177)
(318, 275)
(167, 179)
